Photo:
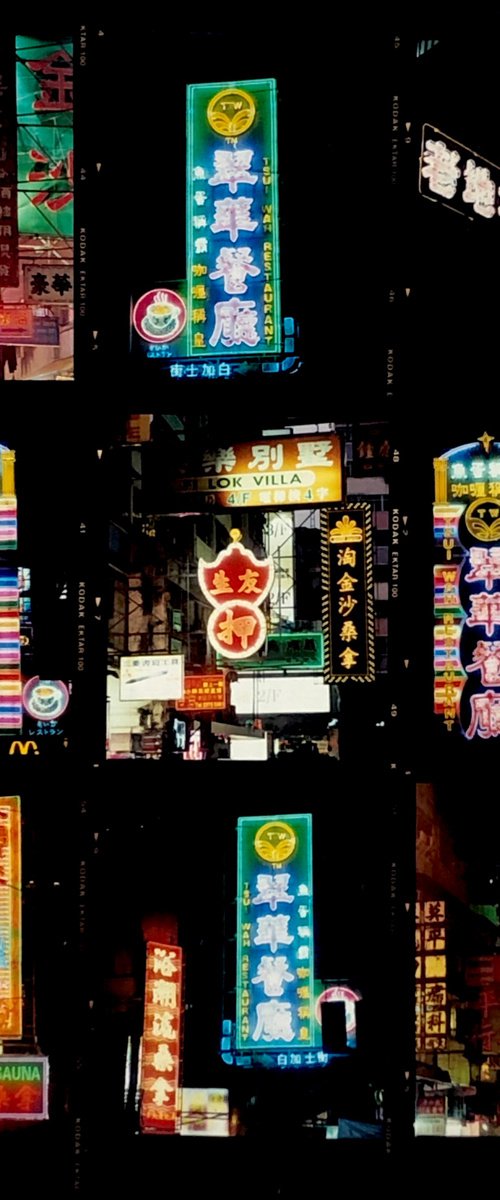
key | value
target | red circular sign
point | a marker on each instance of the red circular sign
(159, 316)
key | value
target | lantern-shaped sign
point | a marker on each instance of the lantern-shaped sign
(236, 584)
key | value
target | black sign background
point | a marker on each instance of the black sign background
(333, 570)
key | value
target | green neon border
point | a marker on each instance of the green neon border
(256, 664)
(293, 818)
(278, 342)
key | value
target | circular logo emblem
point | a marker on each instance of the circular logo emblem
(275, 842)
(159, 316)
(45, 699)
(231, 112)
(483, 519)
(340, 993)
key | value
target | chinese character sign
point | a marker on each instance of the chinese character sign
(347, 593)
(11, 1007)
(160, 1106)
(24, 1085)
(45, 137)
(293, 471)
(232, 219)
(430, 972)
(9, 265)
(236, 584)
(203, 693)
(452, 174)
(467, 588)
(275, 934)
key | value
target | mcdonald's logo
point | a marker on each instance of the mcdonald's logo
(23, 748)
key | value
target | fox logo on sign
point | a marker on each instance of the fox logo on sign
(23, 748)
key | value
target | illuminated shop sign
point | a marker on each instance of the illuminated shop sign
(160, 316)
(232, 219)
(236, 585)
(205, 1112)
(467, 588)
(152, 677)
(295, 471)
(347, 593)
(161, 1045)
(8, 502)
(9, 263)
(203, 693)
(24, 1087)
(453, 175)
(11, 712)
(45, 699)
(295, 651)
(45, 137)
(431, 994)
(275, 934)
(11, 1003)
(21, 325)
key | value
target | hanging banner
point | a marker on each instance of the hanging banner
(275, 934)
(295, 470)
(45, 137)
(161, 1045)
(11, 1001)
(9, 265)
(232, 219)
(236, 584)
(457, 177)
(347, 593)
(467, 588)
(24, 1087)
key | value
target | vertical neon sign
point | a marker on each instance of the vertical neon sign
(467, 588)
(11, 1004)
(232, 219)
(275, 934)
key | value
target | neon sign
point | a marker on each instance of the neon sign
(446, 165)
(347, 593)
(11, 713)
(160, 1067)
(232, 219)
(8, 502)
(306, 470)
(467, 588)
(275, 934)
(236, 584)
(11, 1004)
(24, 1087)
(431, 992)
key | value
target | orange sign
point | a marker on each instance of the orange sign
(160, 1107)
(203, 692)
(11, 1004)
(274, 471)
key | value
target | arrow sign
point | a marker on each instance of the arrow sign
(407, 291)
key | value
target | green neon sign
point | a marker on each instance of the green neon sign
(233, 220)
(275, 934)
